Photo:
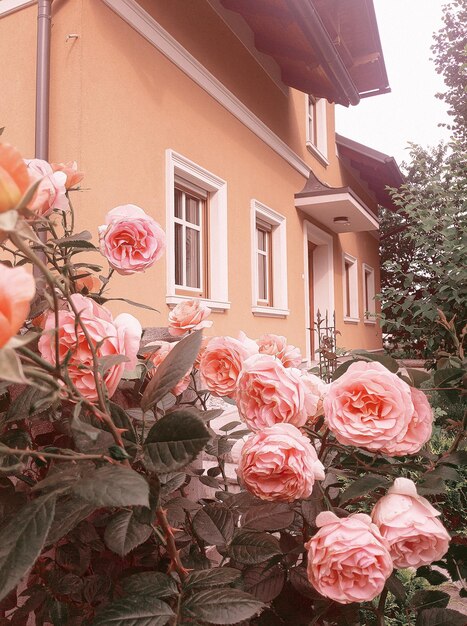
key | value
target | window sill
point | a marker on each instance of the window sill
(216, 305)
(269, 311)
(316, 153)
(370, 322)
(351, 320)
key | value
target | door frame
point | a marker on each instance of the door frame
(323, 274)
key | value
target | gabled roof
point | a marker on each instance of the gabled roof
(327, 48)
(377, 169)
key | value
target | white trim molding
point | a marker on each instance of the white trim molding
(317, 138)
(369, 289)
(323, 279)
(134, 15)
(352, 296)
(216, 188)
(278, 225)
(10, 6)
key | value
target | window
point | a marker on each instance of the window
(369, 308)
(190, 239)
(264, 257)
(316, 130)
(350, 288)
(269, 261)
(197, 231)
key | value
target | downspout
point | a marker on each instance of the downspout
(44, 18)
(44, 21)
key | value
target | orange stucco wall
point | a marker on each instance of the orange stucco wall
(117, 104)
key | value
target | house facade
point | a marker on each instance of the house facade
(217, 118)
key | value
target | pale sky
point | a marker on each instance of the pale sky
(410, 112)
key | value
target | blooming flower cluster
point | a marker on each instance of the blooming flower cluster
(349, 559)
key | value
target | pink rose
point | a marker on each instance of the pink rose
(14, 177)
(222, 362)
(369, 407)
(119, 336)
(269, 393)
(156, 359)
(279, 463)
(188, 315)
(409, 523)
(130, 240)
(70, 169)
(315, 391)
(348, 559)
(421, 424)
(276, 345)
(51, 193)
(17, 289)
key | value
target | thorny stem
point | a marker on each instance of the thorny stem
(74, 456)
(171, 548)
(102, 413)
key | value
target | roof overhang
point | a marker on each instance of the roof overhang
(340, 210)
(327, 48)
(377, 169)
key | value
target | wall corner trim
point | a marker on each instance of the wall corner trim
(134, 15)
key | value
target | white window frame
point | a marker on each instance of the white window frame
(353, 286)
(317, 140)
(369, 308)
(182, 169)
(263, 213)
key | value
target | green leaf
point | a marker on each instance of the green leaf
(429, 598)
(417, 376)
(440, 617)
(432, 485)
(154, 584)
(209, 578)
(214, 524)
(113, 485)
(362, 486)
(269, 516)
(396, 587)
(251, 548)
(10, 367)
(174, 441)
(22, 540)
(264, 583)
(221, 606)
(124, 533)
(343, 367)
(69, 511)
(173, 368)
(101, 300)
(432, 576)
(389, 363)
(456, 458)
(28, 403)
(134, 611)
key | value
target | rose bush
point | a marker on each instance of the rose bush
(119, 496)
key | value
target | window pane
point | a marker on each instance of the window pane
(193, 258)
(192, 210)
(347, 289)
(178, 203)
(178, 254)
(262, 277)
(261, 239)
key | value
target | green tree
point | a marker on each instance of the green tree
(423, 244)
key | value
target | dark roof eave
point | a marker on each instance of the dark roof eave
(313, 28)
